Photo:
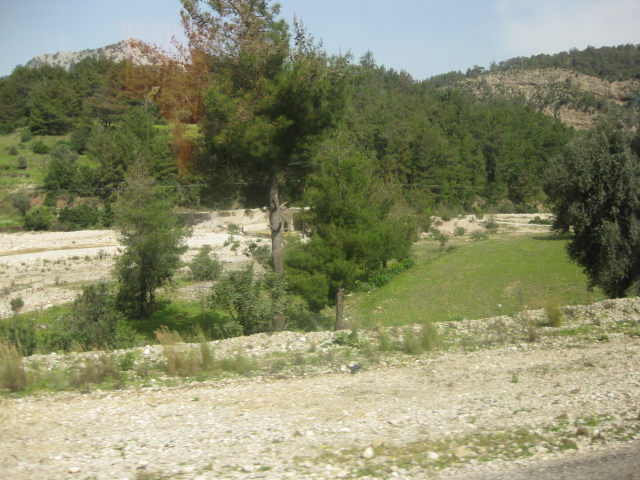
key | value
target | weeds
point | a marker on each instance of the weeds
(181, 360)
(12, 374)
(426, 339)
(555, 315)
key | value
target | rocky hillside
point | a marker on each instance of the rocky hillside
(574, 98)
(131, 49)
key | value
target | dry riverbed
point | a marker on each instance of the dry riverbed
(480, 406)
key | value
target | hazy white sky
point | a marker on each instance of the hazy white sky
(423, 37)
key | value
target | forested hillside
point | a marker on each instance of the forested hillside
(478, 140)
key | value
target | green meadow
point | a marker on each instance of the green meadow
(498, 276)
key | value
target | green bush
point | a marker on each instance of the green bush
(61, 175)
(21, 333)
(204, 266)
(38, 219)
(76, 218)
(40, 148)
(22, 163)
(13, 150)
(21, 202)
(459, 231)
(94, 322)
(50, 200)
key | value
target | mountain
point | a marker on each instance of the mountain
(131, 49)
(573, 98)
(574, 87)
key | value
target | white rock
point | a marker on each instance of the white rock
(433, 456)
(368, 453)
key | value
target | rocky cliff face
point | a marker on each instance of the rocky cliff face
(574, 98)
(131, 49)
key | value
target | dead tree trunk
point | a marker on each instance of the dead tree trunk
(339, 309)
(277, 257)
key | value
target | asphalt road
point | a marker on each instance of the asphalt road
(621, 463)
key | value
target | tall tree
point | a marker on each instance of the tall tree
(267, 100)
(153, 239)
(134, 136)
(357, 224)
(595, 188)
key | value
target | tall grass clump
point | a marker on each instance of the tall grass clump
(12, 374)
(553, 311)
(181, 360)
(425, 339)
(96, 369)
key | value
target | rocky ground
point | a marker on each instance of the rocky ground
(490, 401)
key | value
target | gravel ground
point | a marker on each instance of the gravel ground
(452, 414)
(491, 402)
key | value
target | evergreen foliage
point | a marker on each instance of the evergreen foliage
(153, 238)
(595, 188)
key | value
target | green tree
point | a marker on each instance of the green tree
(133, 137)
(595, 189)
(267, 101)
(153, 238)
(357, 224)
(251, 299)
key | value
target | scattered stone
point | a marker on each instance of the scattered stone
(74, 469)
(378, 442)
(433, 456)
(582, 430)
(462, 452)
(368, 453)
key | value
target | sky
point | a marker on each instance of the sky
(421, 37)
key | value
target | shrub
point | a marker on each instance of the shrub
(16, 304)
(94, 322)
(204, 266)
(21, 333)
(21, 202)
(40, 218)
(61, 175)
(22, 163)
(459, 231)
(40, 148)
(491, 223)
(25, 136)
(13, 150)
(50, 200)
(79, 217)
(249, 298)
(478, 236)
(261, 253)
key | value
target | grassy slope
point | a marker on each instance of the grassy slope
(474, 280)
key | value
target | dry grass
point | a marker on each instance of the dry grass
(12, 374)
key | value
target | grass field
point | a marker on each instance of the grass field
(498, 276)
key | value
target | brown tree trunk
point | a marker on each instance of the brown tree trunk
(339, 308)
(275, 222)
